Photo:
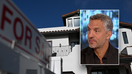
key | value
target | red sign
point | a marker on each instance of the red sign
(14, 26)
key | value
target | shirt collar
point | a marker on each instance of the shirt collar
(106, 54)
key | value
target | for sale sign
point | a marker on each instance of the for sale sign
(14, 26)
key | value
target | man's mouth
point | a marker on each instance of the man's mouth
(92, 41)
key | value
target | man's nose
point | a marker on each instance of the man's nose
(90, 34)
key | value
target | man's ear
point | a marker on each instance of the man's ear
(109, 34)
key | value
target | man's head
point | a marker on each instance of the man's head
(99, 30)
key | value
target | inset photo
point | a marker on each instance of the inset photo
(99, 37)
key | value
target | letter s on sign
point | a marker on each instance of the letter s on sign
(37, 42)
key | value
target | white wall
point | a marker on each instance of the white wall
(121, 41)
(56, 40)
(72, 62)
(56, 65)
(61, 51)
(131, 66)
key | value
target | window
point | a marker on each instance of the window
(70, 23)
(125, 37)
(73, 21)
(30, 71)
(76, 22)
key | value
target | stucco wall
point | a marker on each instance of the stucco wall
(56, 65)
(72, 62)
(129, 37)
(57, 40)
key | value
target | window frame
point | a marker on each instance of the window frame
(72, 18)
(125, 38)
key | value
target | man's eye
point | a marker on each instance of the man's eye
(96, 30)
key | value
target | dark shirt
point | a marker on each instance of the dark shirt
(104, 59)
(89, 57)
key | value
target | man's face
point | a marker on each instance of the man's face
(97, 34)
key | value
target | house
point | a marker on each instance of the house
(65, 42)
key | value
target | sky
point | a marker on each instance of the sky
(48, 13)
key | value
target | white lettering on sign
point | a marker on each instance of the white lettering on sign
(14, 25)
